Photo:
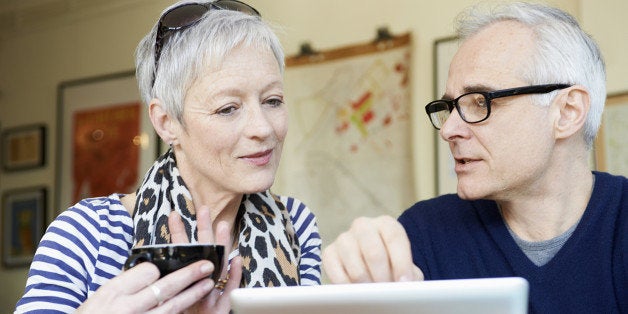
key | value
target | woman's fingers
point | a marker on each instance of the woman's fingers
(187, 298)
(219, 299)
(235, 274)
(204, 225)
(181, 288)
(135, 279)
(177, 228)
(223, 237)
(203, 222)
(178, 290)
(139, 289)
(120, 292)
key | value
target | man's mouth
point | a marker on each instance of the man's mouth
(463, 161)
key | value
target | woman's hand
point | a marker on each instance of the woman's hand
(139, 290)
(218, 300)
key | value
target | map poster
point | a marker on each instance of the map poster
(348, 150)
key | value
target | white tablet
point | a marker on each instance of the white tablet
(486, 296)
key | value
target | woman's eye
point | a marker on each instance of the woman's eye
(275, 102)
(226, 110)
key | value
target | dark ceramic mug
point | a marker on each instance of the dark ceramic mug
(171, 257)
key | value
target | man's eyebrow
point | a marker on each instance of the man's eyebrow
(470, 89)
(479, 88)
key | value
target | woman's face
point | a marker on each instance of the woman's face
(235, 124)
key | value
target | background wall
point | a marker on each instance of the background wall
(87, 40)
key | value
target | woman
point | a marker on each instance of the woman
(212, 79)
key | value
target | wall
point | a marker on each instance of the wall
(604, 21)
(34, 61)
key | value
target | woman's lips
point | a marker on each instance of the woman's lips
(259, 159)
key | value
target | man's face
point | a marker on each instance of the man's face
(507, 154)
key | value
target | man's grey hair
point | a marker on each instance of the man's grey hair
(564, 53)
(187, 52)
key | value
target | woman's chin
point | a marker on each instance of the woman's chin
(258, 185)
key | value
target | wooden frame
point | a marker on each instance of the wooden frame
(105, 139)
(23, 224)
(445, 179)
(24, 147)
(611, 144)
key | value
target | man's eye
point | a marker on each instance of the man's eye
(481, 102)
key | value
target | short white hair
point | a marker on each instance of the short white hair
(564, 53)
(186, 52)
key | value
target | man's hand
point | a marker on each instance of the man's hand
(373, 250)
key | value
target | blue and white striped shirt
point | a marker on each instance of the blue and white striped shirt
(88, 244)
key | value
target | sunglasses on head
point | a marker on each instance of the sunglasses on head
(188, 14)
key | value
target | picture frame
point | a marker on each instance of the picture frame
(24, 147)
(23, 224)
(445, 180)
(611, 144)
(105, 139)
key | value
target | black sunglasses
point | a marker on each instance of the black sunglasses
(188, 14)
(475, 107)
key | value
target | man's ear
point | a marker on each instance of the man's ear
(162, 122)
(573, 108)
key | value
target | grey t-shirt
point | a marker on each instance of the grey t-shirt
(541, 252)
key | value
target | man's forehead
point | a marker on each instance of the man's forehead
(492, 59)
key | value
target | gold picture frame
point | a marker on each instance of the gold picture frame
(24, 147)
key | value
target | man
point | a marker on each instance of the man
(523, 103)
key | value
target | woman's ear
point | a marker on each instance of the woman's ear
(573, 111)
(162, 122)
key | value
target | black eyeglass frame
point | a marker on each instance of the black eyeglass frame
(436, 105)
(195, 16)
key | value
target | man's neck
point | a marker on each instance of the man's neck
(554, 208)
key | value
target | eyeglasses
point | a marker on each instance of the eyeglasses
(475, 107)
(186, 15)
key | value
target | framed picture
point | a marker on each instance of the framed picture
(105, 139)
(445, 179)
(23, 223)
(611, 144)
(24, 147)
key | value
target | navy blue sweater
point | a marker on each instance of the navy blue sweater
(455, 239)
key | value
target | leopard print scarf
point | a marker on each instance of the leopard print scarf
(267, 241)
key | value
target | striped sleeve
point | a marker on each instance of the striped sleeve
(305, 226)
(82, 248)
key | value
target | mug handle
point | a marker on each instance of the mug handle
(135, 259)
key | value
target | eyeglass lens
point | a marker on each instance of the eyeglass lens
(186, 15)
(475, 106)
(233, 5)
(183, 16)
(471, 107)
